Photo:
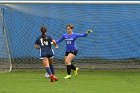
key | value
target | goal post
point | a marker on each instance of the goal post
(114, 42)
(70, 2)
(5, 58)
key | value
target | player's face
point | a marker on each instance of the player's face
(69, 30)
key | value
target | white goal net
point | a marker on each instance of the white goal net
(113, 44)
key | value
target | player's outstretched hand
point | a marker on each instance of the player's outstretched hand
(89, 31)
(56, 46)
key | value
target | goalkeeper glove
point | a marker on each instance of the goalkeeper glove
(89, 31)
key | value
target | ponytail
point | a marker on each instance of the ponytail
(43, 31)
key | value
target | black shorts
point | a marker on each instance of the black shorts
(73, 52)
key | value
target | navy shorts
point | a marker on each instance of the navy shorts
(73, 52)
(46, 55)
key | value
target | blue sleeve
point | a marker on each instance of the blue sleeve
(81, 35)
(60, 40)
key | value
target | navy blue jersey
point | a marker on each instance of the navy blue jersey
(45, 46)
(71, 40)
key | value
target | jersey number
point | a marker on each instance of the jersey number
(43, 42)
(68, 42)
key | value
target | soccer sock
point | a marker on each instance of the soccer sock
(52, 68)
(73, 67)
(68, 69)
(48, 70)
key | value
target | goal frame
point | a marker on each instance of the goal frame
(53, 2)
(6, 41)
(69, 2)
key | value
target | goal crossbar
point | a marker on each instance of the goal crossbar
(69, 2)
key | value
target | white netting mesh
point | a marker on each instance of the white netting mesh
(113, 44)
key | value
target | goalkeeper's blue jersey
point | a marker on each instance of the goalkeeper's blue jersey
(71, 40)
(45, 46)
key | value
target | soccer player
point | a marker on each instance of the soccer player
(43, 43)
(71, 49)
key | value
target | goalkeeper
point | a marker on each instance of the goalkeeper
(43, 43)
(71, 49)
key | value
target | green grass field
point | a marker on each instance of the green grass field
(86, 82)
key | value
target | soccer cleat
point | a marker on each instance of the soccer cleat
(55, 78)
(76, 72)
(52, 78)
(67, 77)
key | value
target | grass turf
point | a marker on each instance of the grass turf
(86, 82)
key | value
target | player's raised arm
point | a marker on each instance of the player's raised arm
(81, 35)
(84, 34)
